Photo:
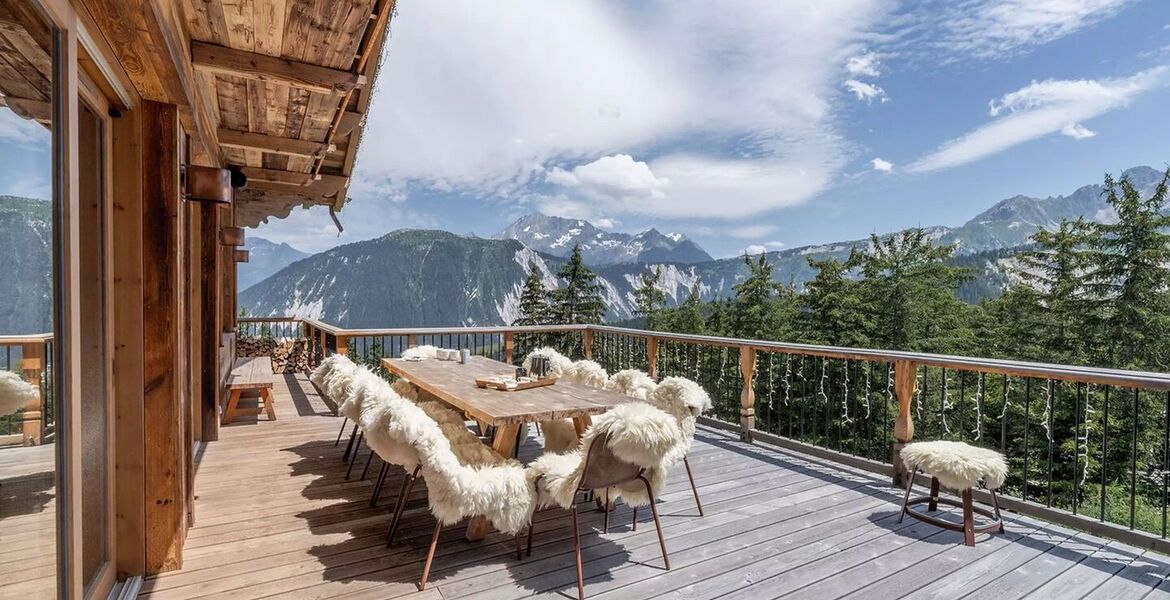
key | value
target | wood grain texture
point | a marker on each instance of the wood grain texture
(454, 384)
(252, 65)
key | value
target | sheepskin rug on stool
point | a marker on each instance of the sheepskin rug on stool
(956, 465)
(684, 400)
(631, 382)
(638, 433)
(15, 393)
(586, 372)
(405, 388)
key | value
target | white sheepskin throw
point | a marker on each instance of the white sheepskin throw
(559, 435)
(492, 487)
(405, 388)
(638, 433)
(362, 383)
(586, 372)
(333, 376)
(684, 400)
(15, 393)
(559, 364)
(631, 382)
(956, 465)
(424, 352)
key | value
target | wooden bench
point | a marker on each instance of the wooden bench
(250, 374)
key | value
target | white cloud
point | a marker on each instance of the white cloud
(486, 97)
(865, 91)
(619, 175)
(311, 230)
(864, 65)
(992, 29)
(1040, 109)
(754, 230)
(755, 249)
(884, 166)
(1077, 131)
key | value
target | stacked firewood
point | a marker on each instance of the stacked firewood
(288, 355)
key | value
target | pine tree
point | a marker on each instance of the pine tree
(754, 311)
(579, 300)
(688, 317)
(534, 300)
(910, 290)
(649, 299)
(832, 309)
(1055, 272)
(1131, 275)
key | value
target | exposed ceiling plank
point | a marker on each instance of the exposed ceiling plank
(272, 143)
(314, 78)
(294, 178)
(32, 110)
(327, 186)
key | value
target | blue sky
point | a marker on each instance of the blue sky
(745, 123)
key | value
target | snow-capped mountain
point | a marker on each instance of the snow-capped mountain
(558, 235)
(266, 258)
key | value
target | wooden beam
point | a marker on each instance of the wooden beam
(349, 121)
(210, 297)
(273, 143)
(232, 236)
(31, 110)
(240, 256)
(166, 511)
(250, 65)
(326, 186)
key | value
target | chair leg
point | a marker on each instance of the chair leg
(933, 505)
(995, 505)
(400, 506)
(634, 522)
(968, 519)
(694, 490)
(657, 523)
(906, 498)
(353, 457)
(422, 584)
(531, 526)
(344, 422)
(605, 529)
(349, 446)
(366, 469)
(577, 552)
(385, 470)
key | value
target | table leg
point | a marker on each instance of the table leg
(230, 413)
(582, 423)
(505, 444)
(268, 404)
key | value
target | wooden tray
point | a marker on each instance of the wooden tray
(487, 382)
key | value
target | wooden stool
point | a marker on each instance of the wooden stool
(960, 467)
(250, 374)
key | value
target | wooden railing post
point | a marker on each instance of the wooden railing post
(652, 357)
(587, 342)
(747, 398)
(905, 382)
(411, 341)
(324, 345)
(509, 346)
(33, 365)
(341, 344)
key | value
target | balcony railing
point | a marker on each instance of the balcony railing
(31, 356)
(1088, 447)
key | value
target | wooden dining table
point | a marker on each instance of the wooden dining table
(453, 383)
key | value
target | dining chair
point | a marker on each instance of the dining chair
(684, 400)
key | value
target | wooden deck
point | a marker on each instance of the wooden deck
(28, 542)
(275, 517)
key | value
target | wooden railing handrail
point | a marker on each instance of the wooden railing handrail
(1014, 368)
(29, 338)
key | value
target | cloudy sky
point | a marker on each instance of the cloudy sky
(745, 123)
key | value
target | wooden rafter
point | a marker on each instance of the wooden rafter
(32, 110)
(273, 143)
(250, 65)
(288, 178)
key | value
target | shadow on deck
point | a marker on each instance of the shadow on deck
(275, 516)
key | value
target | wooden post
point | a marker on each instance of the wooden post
(747, 398)
(587, 341)
(652, 357)
(509, 346)
(310, 335)
(411, 340)
(905, 382)
(341, 344)
(33, 365)
(211, 295)
(166, 510)
(324, 346)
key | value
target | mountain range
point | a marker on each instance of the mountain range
(265, 258)
(26, 299)
(413, 278)
(556, 236)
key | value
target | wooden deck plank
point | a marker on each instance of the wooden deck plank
(776, 523)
